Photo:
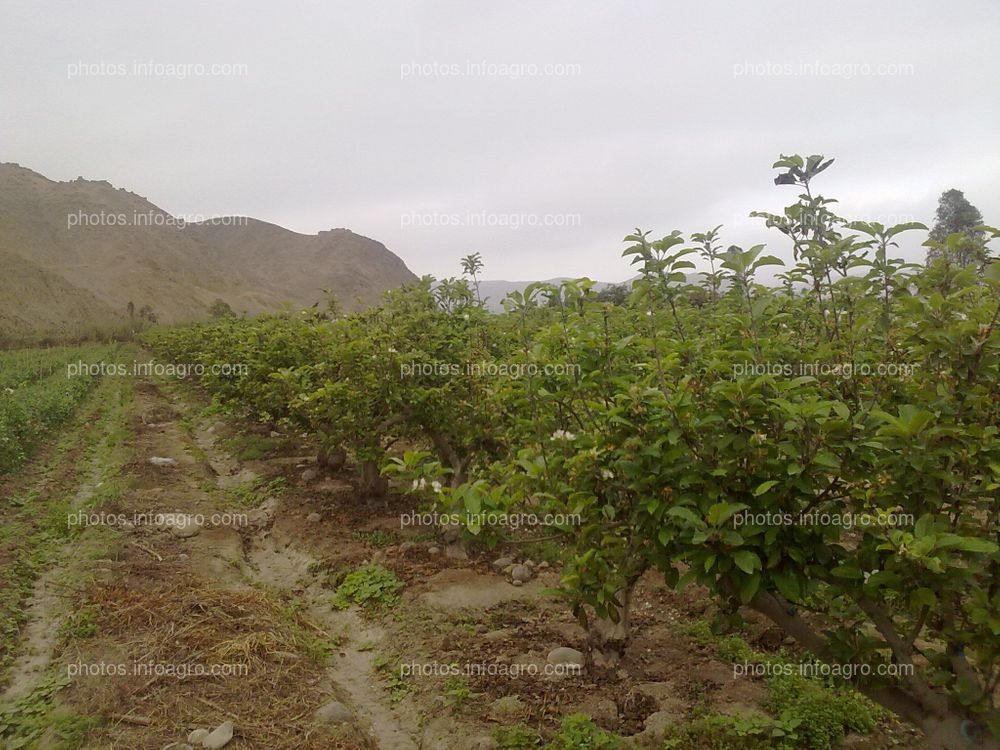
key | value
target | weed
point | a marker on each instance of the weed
(252, 494)
(826, 714)
(395, 681)
(375, 538)
(80, 624)
(579, 732)
(456, 691)
(517, 737)
(28, 717)
(371, 587)
(250, 447)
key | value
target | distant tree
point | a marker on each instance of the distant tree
(332, 305)
(616, 294)
(221, 309)
(710, 251)
(471, 266)
(131, 310)
(955, 215)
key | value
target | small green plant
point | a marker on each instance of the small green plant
(81, 623)
(724, 732)
(517, 737)
(456, 691)
(254, 493)
(395, 681)
(466, 623)
(731, 647)
(25, 720)
(254, 447)
(824, 714)
(72, 729)
(579, 732)
(375, 538)
(371, 587)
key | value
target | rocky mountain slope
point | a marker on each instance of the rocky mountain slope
(74, 254)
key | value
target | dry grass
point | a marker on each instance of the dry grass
(176, 623)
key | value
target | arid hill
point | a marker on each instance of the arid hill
(76, 253)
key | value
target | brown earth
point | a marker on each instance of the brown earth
(76, 253)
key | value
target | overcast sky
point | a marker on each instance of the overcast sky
(581, 121)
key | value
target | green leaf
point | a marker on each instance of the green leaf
(680, 511)
(746, 560)
(764, 487)
(974, 544)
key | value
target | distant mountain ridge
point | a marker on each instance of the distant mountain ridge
(78, 252)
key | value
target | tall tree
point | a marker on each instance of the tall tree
(471, 266)
(955, 215)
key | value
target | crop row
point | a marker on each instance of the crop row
(21, 367)
(36, 406)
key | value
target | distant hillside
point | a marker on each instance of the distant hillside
(76, 253)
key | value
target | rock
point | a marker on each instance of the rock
(529, 563)
(565, 655)
(314, 518)
(603, 711)
(543, 565)
(495, 635)
(657, 723)
(333, 712)
(482, 743)
(219, 737)
(275, 433)
(451, 532)
(502, 563)
(197, 736)
(455, 552)
(160, 461)
(184, 526)
(434, 551)
(521, 573)
(508, 709)
(517, 583)
(309, 475)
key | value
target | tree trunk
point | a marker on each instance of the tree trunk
(331, 458)
(373, 484)
(610, 639)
